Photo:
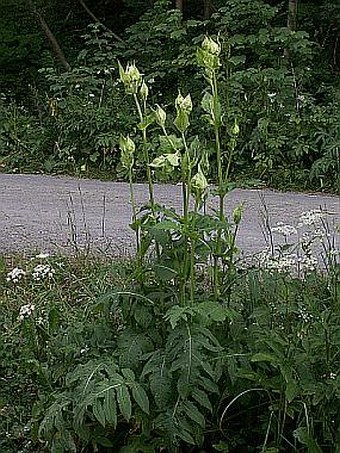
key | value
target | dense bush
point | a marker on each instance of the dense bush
(288, 122)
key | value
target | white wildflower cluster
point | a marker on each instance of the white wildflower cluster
(330, 375)
(42, 271)
(308, 263)
(26, 311)
(284, 229)
(42, 256)
(15, 275)
(39, 272)
(283, 263)
(310, 217)
(310, 246)
(305, 316)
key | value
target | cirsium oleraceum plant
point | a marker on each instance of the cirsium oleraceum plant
(193, 238)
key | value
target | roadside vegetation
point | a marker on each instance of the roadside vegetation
(185, 347)
(63, 111)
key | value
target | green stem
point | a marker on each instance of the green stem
(186, 179)
(218, 147)
(192, 258)
(221, 189)
(134, 210)
(145, 152)
(186, 176)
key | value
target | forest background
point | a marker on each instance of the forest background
(63, 111)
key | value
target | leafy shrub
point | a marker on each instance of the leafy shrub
(23, 139)
(86, 106)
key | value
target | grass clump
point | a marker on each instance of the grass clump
(91, 360)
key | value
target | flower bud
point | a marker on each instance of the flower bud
(128, 148)
(127, 145)
(130, 77)
(237, 214)
(211, 46)
(236, 129)
(144, 91)
(160, 116)
(183, 104)
(182, 121)
(199, 185)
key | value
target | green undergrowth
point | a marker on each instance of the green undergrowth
(93, 361)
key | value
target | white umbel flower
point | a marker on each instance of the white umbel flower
(26, 311)
(42, 271)
(15, 275)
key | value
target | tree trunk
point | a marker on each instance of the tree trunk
(208, 9)
(57, 50)
(292, 14)
(179, 5)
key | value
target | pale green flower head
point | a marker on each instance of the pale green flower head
(211, 46)
(237, 214)
(144, 91)
(127, 145)
(208, 55)
(131, 78)
(160, 116)
(128, 148)
(199, 185)
(183, 104)
(236, 128)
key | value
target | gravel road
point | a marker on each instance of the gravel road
(62, 214)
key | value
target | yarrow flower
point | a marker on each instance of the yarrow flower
(42, 271)
(310, 217)
(26, 311)
(15, 275)
(42, 256)
(308, 263)
(285, 230)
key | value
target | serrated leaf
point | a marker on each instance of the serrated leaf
(186, 437)
(110, 407)
(128, 374)
(193, 413)
(263, 357)
(141, 398)
(176, 314)
(291, 390)
(208, 385)
(124, 401)
(98, 412)
(202, 398)
(161, 388)
(167, 225)
(142, 315)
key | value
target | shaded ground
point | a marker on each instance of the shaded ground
(45, 213)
